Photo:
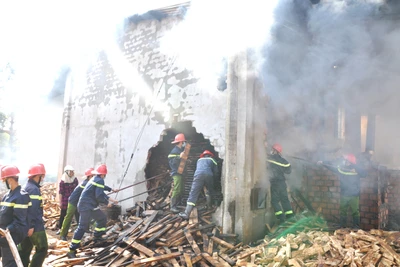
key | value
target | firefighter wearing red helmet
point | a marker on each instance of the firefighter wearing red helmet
(36, 235)
(174, 159)
(13, 212)
(88, 206)
(206, 172)
(277, 168)
(349, 173)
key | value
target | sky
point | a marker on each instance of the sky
(38, 38)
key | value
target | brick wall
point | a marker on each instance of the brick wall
(322, 188)
(393, 192)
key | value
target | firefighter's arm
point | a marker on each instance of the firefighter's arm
(34, 208)
(20, 215)
(101, 197)
(361, 170)
(329, 166)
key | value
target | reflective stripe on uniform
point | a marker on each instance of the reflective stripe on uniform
(7, 204)
(172, 156)
(36, 197)
(278, 212)
(96, 184)
(289, 212)
(209, 158)
(30, 204)
(100, 229)
(81, 186)
(75, 241)
(346, 173)
(21, 206)
(278, 163)
(191, 204)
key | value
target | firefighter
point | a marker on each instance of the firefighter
(88, 207)
(73, 203)
(206, 171)
(36, 234)
(67, 185)
(349, 173)
(13, 213)
(278, 167)
(174, 159)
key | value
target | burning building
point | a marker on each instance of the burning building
(310, 87)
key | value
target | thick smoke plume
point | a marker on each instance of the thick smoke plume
(333, 54)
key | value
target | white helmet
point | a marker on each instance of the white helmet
(68, 168)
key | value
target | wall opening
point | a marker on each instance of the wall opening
(157, 161)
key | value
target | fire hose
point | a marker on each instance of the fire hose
(151, 190)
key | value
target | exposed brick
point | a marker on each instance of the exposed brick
(324, 188)
(315, 188)
(333, 189)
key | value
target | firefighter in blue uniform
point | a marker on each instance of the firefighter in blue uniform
(13, 213)
(174, 159)
(36, 234)
(88, 207)
(349, 173)
(277, 168)
(206, 172)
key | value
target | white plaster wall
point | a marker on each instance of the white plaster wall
(110, 104)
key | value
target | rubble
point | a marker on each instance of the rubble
(51, 207)
(150, 235)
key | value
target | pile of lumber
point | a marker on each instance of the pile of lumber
(51, 208)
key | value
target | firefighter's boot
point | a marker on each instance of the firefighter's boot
(186, 214)
(281, 218)
(209, 202)
(356, 222)
(174, 202)
(71, 254)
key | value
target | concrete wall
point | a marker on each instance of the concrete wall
(107, 106)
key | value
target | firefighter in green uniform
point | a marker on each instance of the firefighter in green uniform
(277, 168)
(174, 159)
(349, 173)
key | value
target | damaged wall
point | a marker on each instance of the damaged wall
(106, 106)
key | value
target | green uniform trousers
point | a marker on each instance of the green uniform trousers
(37, 240)
(71, 210)
(352, 202)
(178, 184)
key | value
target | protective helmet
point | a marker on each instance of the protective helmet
(68, 168)
(36, 170)
(206, 152)
(9, 171)
(277, 147)
(179, 138)
(101, 169)
(89, 171)
(350, 158)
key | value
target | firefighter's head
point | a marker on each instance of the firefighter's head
(179, 140)
(349, 160)
(9, 176)
(89, 173)
(276, 149)
(101, 171)
(37, 172)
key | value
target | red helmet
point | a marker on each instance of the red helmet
(350, 158)
(179, 138)
(36, 170)
(206, 152)
(89, 171)
(277, 147)
(9, 171)
(101, 169)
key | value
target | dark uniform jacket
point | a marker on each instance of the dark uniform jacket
(35, 211)
(349, 178)
(206, 166)
(93, 195)
(14, 213)
(174, 159)
(278, 167)
(76, 194)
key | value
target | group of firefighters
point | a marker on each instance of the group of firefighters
(21, 209)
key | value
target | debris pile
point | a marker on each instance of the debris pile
(51, 208)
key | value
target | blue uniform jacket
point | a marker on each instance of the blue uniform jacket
(93, 195)
(35, 211)
(13, 213)
(206, 166)
(174, 159)
(76, 194)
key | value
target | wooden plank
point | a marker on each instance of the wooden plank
(173, 261)
(222, 242)
(212, 261)
(148, 221)
(192, 243)
(159, 233)
(197, 259)
(184, 157)
(187, 260)
(143, 249)
(13, 247)
(205, 242)
(211, 243)
(155, 258)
